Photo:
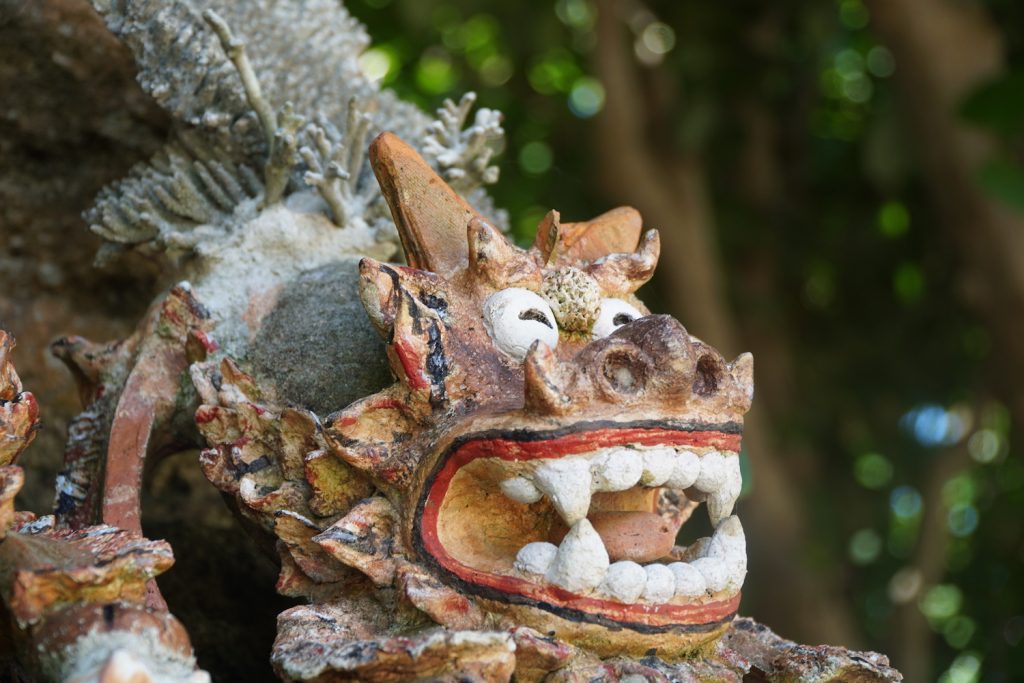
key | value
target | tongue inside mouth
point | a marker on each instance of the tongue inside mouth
(636, 536)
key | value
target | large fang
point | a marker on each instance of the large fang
(722, 501)
(581, 562)
(724, 563)
(566, 483)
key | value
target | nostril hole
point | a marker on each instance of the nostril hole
(624, 372)
(708, 376)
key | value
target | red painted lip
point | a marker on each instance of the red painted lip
(578, 442)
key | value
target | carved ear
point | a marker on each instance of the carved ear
(380, 285)
(613, 232)
(624, 273)
(430, 216)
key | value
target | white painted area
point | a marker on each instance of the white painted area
(661, 583)
(685, 470)
(521, 490)
(658, 465)
(617, 470)
(689, 581)
(507, 319)
(566, 483)
(536, 558)
(581, 562)
(609, 311)
(624, 581)
(713, 471)
(722, 501)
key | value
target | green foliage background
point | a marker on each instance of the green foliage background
(895, 418)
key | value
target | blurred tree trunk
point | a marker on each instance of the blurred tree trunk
(640, 167)
(943, 51)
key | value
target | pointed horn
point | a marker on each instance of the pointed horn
(742, 371)
(498, 261)
(546, 382)
(620, 274)
(548, 237)
(430, 216)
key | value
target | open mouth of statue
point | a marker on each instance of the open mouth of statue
(583, 522)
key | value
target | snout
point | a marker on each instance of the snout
(651, 364)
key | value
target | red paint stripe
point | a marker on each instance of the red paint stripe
(411, 364)
(580, 442)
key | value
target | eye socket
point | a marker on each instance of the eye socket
(614, 314)
(516, 317)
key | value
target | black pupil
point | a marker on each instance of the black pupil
(534, 314)
(622, 319)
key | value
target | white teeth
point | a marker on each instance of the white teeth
(685, 470)
(581, 561)
(658, 464)
(722, 501)
(625, 581)
(566, 483)
(535, 558)
(521, 489)
(689, 581)
(617, 470)
(713, 472)
(661, 584)
(725, 562)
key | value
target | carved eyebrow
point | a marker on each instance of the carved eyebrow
(534, 314)
(623, 318)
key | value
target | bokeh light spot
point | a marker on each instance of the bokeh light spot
(535, 158)
(880, 62)
(985, 445)
(434, 73)
(905, 502)
(853, 14)
(586, 97)
(865, 546)
(958, 631)
(965, 669)
(893, 219)
(962, 520)
(873, 471)
(377, 63)
(941, 602)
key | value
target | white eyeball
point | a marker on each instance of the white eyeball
(515, 318)
(614, 314)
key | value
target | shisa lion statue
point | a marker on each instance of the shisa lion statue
(506, 507)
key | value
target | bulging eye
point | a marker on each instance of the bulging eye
(515, 318)
(614, 314)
